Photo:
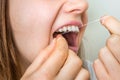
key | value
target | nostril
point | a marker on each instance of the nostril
(75, 6)
(72, 8)
(78, 11)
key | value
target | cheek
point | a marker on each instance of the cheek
(31, 24)
(28, 16)
(81, 34)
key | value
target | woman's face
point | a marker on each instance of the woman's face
(36, 22)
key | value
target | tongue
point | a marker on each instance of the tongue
(71, 38)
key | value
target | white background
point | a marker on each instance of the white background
(96, 35)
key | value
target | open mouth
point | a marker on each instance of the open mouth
(70, 33)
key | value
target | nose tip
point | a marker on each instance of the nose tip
(75, 6)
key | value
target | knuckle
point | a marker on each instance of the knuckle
(44, 75)
(101, 52)
(62, 54)
(103, 77)
(112, 40)
(87, 73)
(76, 60)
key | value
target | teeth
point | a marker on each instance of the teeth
(77, 29)
(74, 28)
(69, 29)
(60, 30)
(65, 29)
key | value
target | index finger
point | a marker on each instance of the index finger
(112, 24)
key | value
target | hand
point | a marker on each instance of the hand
(56, 62)
(107, 66)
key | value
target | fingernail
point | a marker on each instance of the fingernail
(58, 36)
(97, 61)
(103, 18)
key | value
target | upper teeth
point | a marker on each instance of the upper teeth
(69, 29)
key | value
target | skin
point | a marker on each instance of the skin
(41, 56)
(107, 66)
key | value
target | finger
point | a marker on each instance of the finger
(55, 62)
(112, 24)
(41, 58)
(100, 70)
(109, 61)
(84, 18)
(113, 43)
(71, 67)
(83, 75)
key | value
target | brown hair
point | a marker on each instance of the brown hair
(9, 66)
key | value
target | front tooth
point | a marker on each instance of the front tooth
(60, 30)
(77, 29)
(65, 29)
(73, 28)
(69, 28)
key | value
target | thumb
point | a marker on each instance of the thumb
(112, 24)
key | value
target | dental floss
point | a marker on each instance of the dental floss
(91, 22)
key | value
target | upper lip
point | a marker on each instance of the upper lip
(72, 23)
